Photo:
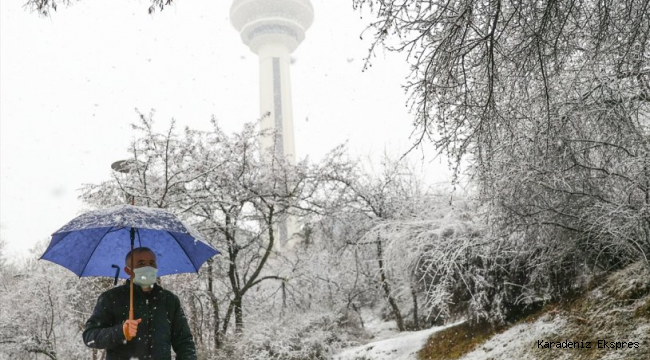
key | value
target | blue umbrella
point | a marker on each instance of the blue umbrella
(95, 243)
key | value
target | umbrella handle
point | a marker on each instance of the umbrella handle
(131, 301)
(131, 316)
(117, 273)
(132, 276)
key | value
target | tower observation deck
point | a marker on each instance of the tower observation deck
(273, 29)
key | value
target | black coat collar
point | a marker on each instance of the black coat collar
(137, 289)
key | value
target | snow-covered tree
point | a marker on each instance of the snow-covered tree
(231, 193)
(392, 195)
(548, 103)
(44, 308)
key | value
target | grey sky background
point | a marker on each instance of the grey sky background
(70, 83)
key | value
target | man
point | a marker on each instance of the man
(159, 323)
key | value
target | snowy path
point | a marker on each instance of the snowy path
(403, 346)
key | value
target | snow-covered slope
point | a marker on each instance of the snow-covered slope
(616, 309)
(402, 346)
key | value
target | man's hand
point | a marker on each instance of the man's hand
(130, 328)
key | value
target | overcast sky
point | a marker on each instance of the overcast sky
(70, 84)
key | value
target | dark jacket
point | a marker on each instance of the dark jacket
(163, 326)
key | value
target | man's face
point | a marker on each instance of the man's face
(142, 259)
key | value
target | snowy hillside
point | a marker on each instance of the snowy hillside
(611, 321)
(616, 309)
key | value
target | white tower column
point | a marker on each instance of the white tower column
(276, 108)
(273, 29)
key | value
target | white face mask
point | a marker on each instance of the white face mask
(145, 276)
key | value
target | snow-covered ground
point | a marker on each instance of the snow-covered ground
(516, 342)
(403, 346)
(390, 344)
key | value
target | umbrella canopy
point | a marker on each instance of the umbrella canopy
(92, 243)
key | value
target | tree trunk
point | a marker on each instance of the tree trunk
(284, 299)
(356, 309)
(194, 324)
(238, 289)
(416, 320)
(226, 319)
(647, 198)
(239, 316)
(217, 333)
(215, 308)
(233, 275)
(386, 287)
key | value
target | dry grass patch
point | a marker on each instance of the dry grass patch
(643, 310)
(456, 341)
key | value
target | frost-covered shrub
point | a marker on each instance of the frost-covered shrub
(42, 310)
(454, 266)
(298, 336)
